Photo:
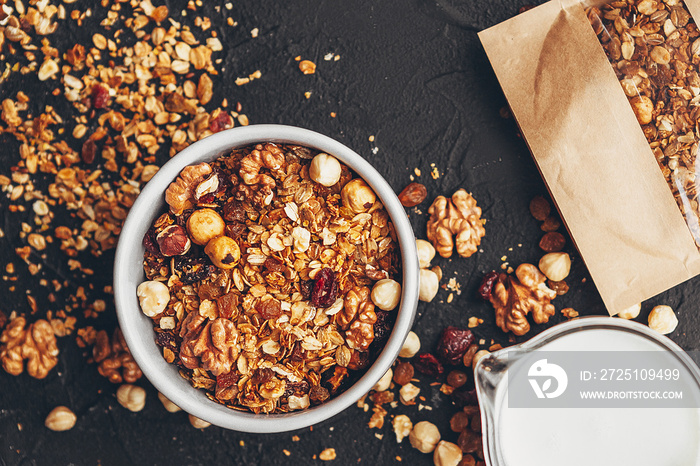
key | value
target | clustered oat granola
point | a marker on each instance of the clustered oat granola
(654, 49)
(271, 277)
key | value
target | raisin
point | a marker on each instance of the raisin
(270, 309)
(468, 460)
(359, 360)
(552, 242)
(208, 198)
(272, 264)
(540, 208)
(463, 398)
(456, 379)
(166, 340)
(469, 355)
(233, 211)
(298, 353)
(88, 151)
(193, 269)
(99, 96)
(262, 375)
(486, 287)
(306, 287)
(325, 290)
(318, 394)
(150, 243)
(453, 343)
(226, 380)
(561, 287)
(403, 373)
(220, 122)
(550, 224)
(235, 230)
(296, 388)
(413, 194)
(228, 305)
(382, 327)
(459, 421)
(469, 441)
(427, 364)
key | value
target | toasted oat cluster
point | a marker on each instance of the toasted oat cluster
(271, 279)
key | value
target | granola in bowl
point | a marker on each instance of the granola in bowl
(271, 280)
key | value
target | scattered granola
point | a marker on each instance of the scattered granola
(269, 309)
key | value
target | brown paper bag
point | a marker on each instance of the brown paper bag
(592, 153)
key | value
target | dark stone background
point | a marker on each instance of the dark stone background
(414, 75)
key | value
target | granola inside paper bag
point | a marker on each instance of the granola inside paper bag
(592, 151)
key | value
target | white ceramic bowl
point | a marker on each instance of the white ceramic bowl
(138, 329)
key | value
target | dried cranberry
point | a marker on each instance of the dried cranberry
(454, 342)
(382, 327)
(262, 375)
(296, 388)
(233, 211)
(359, 360)
(270, 309)
(150, 243)
(99, 96)
(427, 364)
(306, 287)
(193, 269)
(220, 122)
(325, 289)
(226, 380)
(486, 287)
(88, 151)
(208, 198)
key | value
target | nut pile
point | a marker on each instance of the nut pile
(271, 277)
(107, 112)
(653, 47)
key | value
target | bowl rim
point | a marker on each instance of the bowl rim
(129, 257)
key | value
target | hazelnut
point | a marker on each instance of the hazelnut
(402, 427)
(447, 454)
(173, 241)
(131, 397)
(643, 109)
(153, 296)
(663, 319)
(167, 404)
(325, 169)
(358, 196)
(386, 294)
(408, 393)
(223, 252)
(555, 265)
(204, 225)
(429, 284)
(384, 383)
(411, 346)
(426, 252)
(631, 312)
(60, 419)
(424, 436)
(198, 423)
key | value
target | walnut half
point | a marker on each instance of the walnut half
(212, 346)
(36, 344)
(514, 297)
(459, 216)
